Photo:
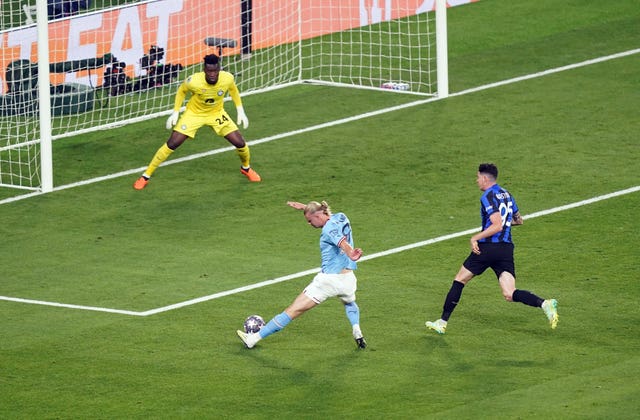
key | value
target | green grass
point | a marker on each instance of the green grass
(199, 228)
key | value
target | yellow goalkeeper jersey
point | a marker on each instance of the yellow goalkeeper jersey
(206, 98)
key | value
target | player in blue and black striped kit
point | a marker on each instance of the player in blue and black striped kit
(493, 248)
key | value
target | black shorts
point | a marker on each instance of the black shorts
(497, 256)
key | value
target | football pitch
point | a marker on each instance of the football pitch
(118, 303)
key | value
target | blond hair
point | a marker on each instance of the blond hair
(314, 207)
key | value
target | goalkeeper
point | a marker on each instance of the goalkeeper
(205, 107)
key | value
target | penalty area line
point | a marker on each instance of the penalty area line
(231, 292)
(70, 306)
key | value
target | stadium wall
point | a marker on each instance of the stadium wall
(129, 32)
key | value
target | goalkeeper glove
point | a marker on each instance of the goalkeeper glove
(172, 120)
(242, 117)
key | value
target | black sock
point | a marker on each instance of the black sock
(452, 299)
(527, 298)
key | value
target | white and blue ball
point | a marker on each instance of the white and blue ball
(253, 324)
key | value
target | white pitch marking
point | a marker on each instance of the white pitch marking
(66, 305)
(316, 270)
(335, 122)
(312, 128)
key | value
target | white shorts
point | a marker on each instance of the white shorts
(324, 286)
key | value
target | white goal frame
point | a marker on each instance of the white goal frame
(45, 134)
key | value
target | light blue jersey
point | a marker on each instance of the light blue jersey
(334, 260)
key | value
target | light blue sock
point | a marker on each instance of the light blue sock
(353, 313)
(277, 323)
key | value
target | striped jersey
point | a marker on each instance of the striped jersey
(497, 199)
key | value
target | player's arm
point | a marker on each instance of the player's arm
(296, 205)
(517, 219)
(492, 229)
(177, 104)
(354, 254)
(237, 101)
(234, 93)
(181, 94)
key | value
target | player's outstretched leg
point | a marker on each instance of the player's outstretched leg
(276, 324)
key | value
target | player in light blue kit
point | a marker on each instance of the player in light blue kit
(336, 278)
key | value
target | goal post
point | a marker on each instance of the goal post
(44, 95)
(442, 49)
(388, 44)
(86, 69)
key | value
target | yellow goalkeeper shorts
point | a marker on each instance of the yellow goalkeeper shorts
(190, 122)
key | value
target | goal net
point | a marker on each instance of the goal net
(115, 62)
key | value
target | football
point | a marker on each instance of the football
(253, 324)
